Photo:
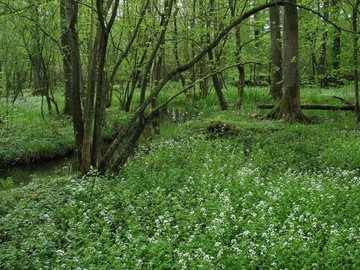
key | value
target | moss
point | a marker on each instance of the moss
(216, 129)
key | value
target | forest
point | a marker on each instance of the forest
(179, 134)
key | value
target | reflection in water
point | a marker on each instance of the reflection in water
(176, 116)
(23, 174)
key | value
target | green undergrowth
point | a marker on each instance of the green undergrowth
(221, 190)
(25, 136)
(253, 195)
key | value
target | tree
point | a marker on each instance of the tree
(66, 55)
(289, 106)
(216, 82)
(71, 15)
(321, 68)
(139, 116)
(336, 41)
(276, 57)
(241, 70)
(355, 12)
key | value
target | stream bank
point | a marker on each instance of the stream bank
(24, 173)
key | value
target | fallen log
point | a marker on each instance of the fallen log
(343, 100)
(315, 107)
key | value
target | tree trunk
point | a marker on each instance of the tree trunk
(289, 106)
(315, 107)
(139, 115)
(240, 68)
(336, 42)
(276, 58)
(72, 15)
(355, 58)
(321, 68)
(217, 85)
(176, 49)
(101, 86)
(66, 56)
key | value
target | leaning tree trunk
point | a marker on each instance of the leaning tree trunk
(289, 106)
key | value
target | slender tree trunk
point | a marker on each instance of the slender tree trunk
(89, 96)
(176, 49)
(240, 68)
(105, 163)
(276, 57)
(321, 68)
(217, 85)
(66, 56)
(101, 86)
(156, 76)
(336, 42)
(355, 57)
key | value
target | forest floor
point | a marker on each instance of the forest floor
(221, 190)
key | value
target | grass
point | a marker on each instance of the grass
(26, 137)
(262, 196)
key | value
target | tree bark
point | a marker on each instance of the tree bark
(321, 68)
(240, 68)
(105, 163)
(314, 107)
(289, 107)
(336, 42)
(72, 17)
(355, 58)
(217, 85)
(66, 57)
(276, 57)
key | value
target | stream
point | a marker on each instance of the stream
(24, 173)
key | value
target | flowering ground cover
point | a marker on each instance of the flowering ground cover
(269, 196)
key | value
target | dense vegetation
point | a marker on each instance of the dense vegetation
(222, 190)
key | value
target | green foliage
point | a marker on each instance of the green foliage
(268, 196)
(6, 183)
(26, 137)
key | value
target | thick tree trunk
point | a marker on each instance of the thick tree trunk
(289, 107)
(71, 15)
(276, 57)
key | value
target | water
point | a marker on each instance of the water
(23, 174)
